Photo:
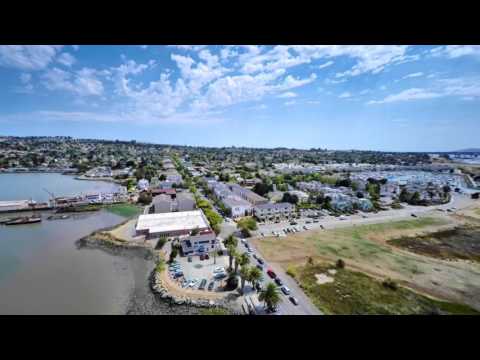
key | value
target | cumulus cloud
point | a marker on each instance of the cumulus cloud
(66, 59)
(83, 82)
(28, 57)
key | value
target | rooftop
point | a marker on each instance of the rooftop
(172, 221)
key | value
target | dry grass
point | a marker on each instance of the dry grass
(365, 249)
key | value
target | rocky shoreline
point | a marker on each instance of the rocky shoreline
(158, 288)
(103, 240)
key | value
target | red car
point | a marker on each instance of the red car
(271, 274)
(202, 257)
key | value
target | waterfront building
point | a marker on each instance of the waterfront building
(171, 224)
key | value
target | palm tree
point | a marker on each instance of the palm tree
(270, 295)
(244, 275)
(231, 240)
(232, 253)
(255, 276)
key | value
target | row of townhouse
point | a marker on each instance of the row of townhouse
(274, 211)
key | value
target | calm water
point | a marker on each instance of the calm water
(42, 271)
(26, 186)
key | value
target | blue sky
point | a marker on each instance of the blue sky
(393, 98)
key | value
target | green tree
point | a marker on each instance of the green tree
(255, 275)
(270, 295)
(173, 254)
(244, 276)
(232, 253)
(231, 240)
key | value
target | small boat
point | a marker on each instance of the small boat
(4, 221)
(24, 220)
(58, 217)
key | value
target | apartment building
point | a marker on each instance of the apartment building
(272, 211)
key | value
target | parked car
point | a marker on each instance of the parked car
(305, 227)
(207, 256)
(293, 223)
(279, 281)
(262, 234)
(272, 309)
(255, 256)
(202, 257)
(260, 261)
(413, 215)
(271, 273)
(243, 241)
(189, 259)
(219, 269)
(202, 284)
(285, 290)
(315, 221)
(185, 283)
(294, 300)
(210, 286)
(260, 266)
(220, 275)
(308, 222)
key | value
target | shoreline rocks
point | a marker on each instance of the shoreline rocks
(158, 288)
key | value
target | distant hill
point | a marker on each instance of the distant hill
(472, 150)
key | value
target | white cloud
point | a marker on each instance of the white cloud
(345, 95)
(370, 58)
(383, 88)
(66, 59)
(28, 57)
(456, 51)
(143, 47)
(189, 47)
(76, 47)
(335, 81)
(289, 103)
(27, 86)
(413, 75)
(288, 94)
(227, 52)
(83, 82)
(324, 65)
(25, 78)
(406, 95)
(456, 87)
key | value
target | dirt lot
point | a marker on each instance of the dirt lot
(365, 248)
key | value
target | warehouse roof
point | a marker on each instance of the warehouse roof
(172, 221)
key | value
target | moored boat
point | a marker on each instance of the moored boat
(24, 220)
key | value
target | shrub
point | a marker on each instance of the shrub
(340, 264)
(246, 233)
(145, 198)
(160, 266)
(292, 272)
(390, 284)
(310, 261)
(160, 243)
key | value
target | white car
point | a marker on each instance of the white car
(219, 269)
(285, 290)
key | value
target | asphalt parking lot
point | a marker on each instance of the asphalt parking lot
(201, 269)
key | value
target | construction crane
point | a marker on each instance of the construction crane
(52, 196)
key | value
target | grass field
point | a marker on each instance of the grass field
(365, 243)
(125, 210)
(356, 293)
(365, 248)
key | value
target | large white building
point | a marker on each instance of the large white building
(171, 224)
